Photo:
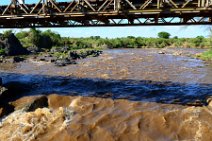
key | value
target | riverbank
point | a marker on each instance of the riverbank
(206, 56)
(65, 50)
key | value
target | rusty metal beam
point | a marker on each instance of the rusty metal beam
(49, 13)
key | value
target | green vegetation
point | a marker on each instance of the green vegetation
(207, 55)
(164, 35)
(2, 51)
(35, 37)
(6, 34)
(49, 40)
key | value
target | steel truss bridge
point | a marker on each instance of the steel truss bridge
(83, 13)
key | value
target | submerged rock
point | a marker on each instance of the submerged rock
(83, 54)
(46, 58)
(40, 102)
(34, 49)
(17, 59)
(3, 90)
(64, 62)
(73, 55)
(67, 57)
(161, 52)
(6, 109)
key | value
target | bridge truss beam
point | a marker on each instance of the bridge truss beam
(80, 13)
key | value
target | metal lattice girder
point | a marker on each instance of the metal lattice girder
(49, 13)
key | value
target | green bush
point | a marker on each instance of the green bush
(35, 36)
(2, 51)
(164, 35)
(206, 55)
(22, 35)
(7, 33)
(55, 38)
(48, 39)
(198, 41)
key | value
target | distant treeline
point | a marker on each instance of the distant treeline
(49, 39)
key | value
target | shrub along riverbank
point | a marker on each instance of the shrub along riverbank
(35, 41)
(207, 55)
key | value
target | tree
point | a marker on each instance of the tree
(22, 34)
(35, 37)
(95, 37)
(55, 37)
(164, 35)
(198, 41)
(175, 37)
(6, 34)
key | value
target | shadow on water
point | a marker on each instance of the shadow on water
(20, 85)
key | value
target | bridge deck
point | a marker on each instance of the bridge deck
(49, 13)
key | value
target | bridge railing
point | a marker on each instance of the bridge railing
(18, 7)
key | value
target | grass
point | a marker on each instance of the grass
(207, 55)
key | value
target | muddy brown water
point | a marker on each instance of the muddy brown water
(93, 108)
(133, 74)
(71, 118)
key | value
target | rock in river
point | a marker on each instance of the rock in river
(17, 59)
(64, 62)
(40, 102)
(5, 108)
(13, 46)
(2, 89)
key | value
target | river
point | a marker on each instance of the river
(133, 74)
(123, 95)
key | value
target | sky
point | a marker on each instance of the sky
(137, 31)
(113, 32)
